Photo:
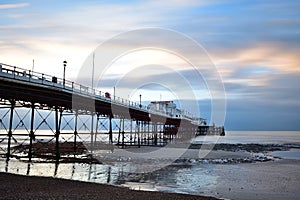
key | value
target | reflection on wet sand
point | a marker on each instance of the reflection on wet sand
(118, 174)
(228, 171)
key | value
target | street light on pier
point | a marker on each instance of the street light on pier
(114, 92)
(64, 78)
(140, 101)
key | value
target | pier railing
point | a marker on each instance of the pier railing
(22, 74)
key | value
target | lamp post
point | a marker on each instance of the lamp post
(65, 64)
(114, 92)
(140, 101)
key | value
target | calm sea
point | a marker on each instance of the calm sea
(259, 137)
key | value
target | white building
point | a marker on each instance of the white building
(166, 107)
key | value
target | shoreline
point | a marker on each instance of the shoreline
(235, 181)
(240, 171)
(15, 186)
(195, 153)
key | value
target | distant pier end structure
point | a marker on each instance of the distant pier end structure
(38, 118)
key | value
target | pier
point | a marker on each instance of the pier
(42, 115)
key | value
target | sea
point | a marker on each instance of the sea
(199, 179)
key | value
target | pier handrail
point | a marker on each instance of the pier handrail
(18, 73)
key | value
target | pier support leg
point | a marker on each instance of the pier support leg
(130, 131)
(164, 135)
(12, 107)
(145, 132)
(96, 130)
(123, 133)
(135, 133)
(138, 133)
(142, 132)
(110, 130)
(148, 133)
(57, 133)
(155, 133)
(31, 135)
(119, 135)
(92, 133)
(75, 132)
(161, 134)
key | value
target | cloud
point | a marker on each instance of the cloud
(178, 3)
(255, 46)
(262, 59)
(252, 114)
(12, 6)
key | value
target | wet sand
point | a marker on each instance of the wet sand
(252, 173)
(30, 187)
(243, 171)
(279, 179)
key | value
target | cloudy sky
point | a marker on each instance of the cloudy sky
(255, 45)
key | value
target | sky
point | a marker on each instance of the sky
(255, 46)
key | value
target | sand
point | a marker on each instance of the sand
(275, 179)
(30, 187)
(279, 179)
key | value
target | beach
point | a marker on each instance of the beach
(30, 187)
(262, 167)
(278, 179)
